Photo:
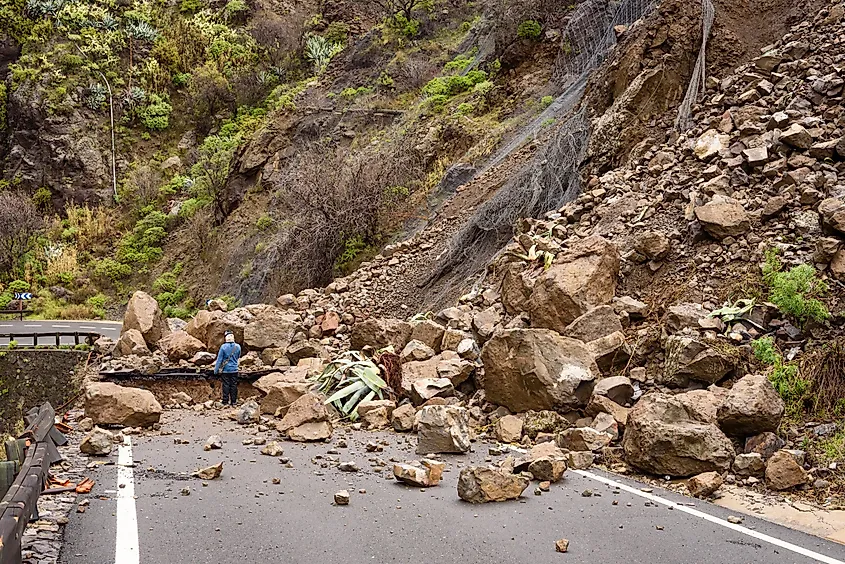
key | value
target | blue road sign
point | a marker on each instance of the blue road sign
(23, 296)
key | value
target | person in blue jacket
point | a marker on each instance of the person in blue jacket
(227, 366)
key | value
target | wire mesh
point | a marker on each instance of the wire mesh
(683, 121)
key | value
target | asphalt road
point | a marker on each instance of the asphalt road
(242, 516)
(24, 330)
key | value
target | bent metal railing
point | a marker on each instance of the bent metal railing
(28, 459)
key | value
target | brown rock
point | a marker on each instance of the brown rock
(376, 414)
(752, 406)
(425, 389)
(97, 442)
(131, 342)
(594, 324)
(704, 485)
(702, 405)
(110, 404)
(144, 314)
(784, 472)
(416, 350)
(562, 545)
(426, 477)
(723, 219)
(797, 137)
(509, 429)
(765, 444)
(330, 323)
(690, 359)
(403, 417)
(310, 432)
(429, 333)
(180, 345)
(617, 388)
(481, 485)
(662, 438)
(271, 328)
(752, 464)
(537, 369)
(310, 408)
(580, 279)
(379, 333)
(837, 265)
(442, 428)
(583, 439)
(774, 206)
(653, 244)
(548, 469)
(209, 473)
(602, 404)
(281, 395)
(305, 349)
(832, 215)
(546, 421)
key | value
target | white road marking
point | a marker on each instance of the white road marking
(86, 327)
(126, 550)
(35, 325)
(61, 326)
(6, 325)
(715, 520)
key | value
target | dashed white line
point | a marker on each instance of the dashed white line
(126, 549)
(86, 327)
(61, 326)
(715, 520)
(35, 325)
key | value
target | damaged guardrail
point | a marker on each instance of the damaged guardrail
(28, 458)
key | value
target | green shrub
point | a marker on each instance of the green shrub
(235, 9)
(191, 6)
(143, 244)
(18, 286)
(320, 52)
(110, 269)
(546, 101)
(453, 85)
(337, 32)
(156, 114)
(529, 29)
(350, 93)
(784, 376)
(43, 198)
(409, 28)
(264, 222)
(459, 63)
(181, 79)
(795, 291)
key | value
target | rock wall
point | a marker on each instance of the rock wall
(29, 378)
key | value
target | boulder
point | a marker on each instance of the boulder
(594, 324)
(617, 388)
(653, 245)
(105, 346)
(516, 288)
(710, 144)
(684, 315)
(217, 305)
(249, 412)
(605, 423)
(784, 472)
(580, 460)
(131, 342)
(97, 442)
(508, 429)
(442, 428)
(428, 332)
(468, 349)
(376, 414)
(425, 389)
(110, 404)
(832, 215)
(603, 404)
(723, 219)
(305, 349)
(310, 432)
(703, 405)
(199, 326)
(416, 350)
(537, 369)
(144, 315)
(180, 398)
(478, 484)
(456, 370)
(765, 444)
(705, 484)
(179, 345)
(418, 370)
(485, 321)
(751, 464)
(331, 321)
(310, 408)
(209, 473)
(583, 439)
(662, 438)
(427, 476)
(379, 333)
(797, 137)
(580, 279)
(214, 442)
(203, 358)
(690, 359)
(546, 421)
(548, 469)
(403, 417)
(752, 406)
(281, 395)
(271, 328)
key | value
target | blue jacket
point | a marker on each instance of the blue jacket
(227, 358)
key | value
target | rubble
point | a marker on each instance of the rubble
(478, 484)
(442, 428)
(98, 442)
(209, 473)
(429, 475)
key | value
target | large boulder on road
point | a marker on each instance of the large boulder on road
(379, 333)
(131, 342)
(110, 404)
(580, 279)
(662, 438)
(179, 345)
(537, 369)
(144, 314)
(271, 328)
(751, 407)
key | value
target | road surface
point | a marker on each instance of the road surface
(26, 328)
(138, 507)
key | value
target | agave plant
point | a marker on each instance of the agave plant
(39, 8)
(320, 51)
(534, 255)
(108, 23)
(96, 96)
(142, 30)
(348, 381)
(134, 97)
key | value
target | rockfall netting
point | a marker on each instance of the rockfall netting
(708, 14)
(551, 179)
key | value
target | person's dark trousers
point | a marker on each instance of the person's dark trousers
(230, 388)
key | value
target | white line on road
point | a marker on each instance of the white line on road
(707, 517)
(35, 325)
(86, 327)
(126, 550)
(6, 325)
(61, 326)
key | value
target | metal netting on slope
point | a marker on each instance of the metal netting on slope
(552, 177)
(708, 15)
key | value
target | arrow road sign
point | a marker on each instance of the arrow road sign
(23, 296)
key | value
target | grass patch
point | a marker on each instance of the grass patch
(796, 292)
(784, 376)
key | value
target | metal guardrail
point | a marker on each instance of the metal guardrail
(56, 337)
(181, 374)
(30, 456)
(16, 312)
